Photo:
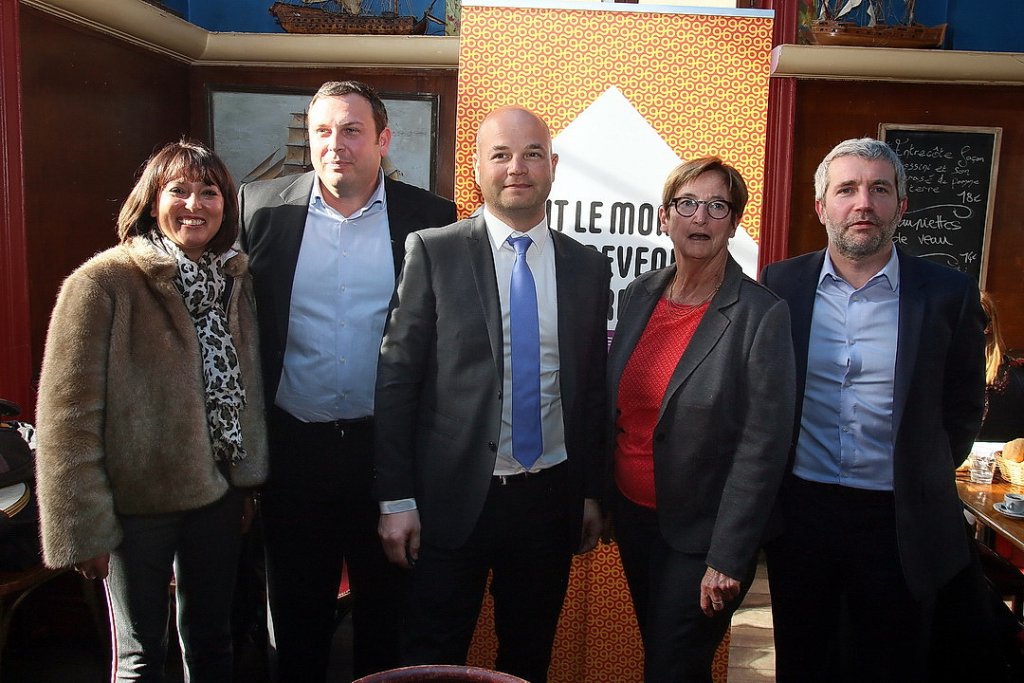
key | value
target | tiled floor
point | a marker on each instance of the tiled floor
(752, 651)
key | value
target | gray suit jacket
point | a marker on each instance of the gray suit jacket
(938, 400)
(273, 219)
(723, 431)
(439, 381)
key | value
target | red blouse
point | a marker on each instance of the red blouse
(641, 391)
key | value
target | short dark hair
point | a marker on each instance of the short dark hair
(689, 171)
(340, 88)
(188, 160)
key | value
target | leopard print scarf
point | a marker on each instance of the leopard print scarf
(202, 285)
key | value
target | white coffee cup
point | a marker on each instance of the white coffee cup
(1014, 502)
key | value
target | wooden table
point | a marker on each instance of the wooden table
(979, 499)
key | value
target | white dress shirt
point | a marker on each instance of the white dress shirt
(541, 259)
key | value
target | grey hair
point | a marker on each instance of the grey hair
(864, 148)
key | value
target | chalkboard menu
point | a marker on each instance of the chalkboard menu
(951, 180)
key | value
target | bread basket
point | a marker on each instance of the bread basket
(1009, 468)
(1012, 472)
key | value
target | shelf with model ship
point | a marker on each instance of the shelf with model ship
(879, 47)
(161, 31)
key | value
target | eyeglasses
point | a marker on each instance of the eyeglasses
(686, 207)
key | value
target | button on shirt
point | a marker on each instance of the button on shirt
(846, 430)
(541, 259)
(344, 279)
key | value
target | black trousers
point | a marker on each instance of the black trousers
(679, 639)
(317, 514)
(841, 607)
(521, 536)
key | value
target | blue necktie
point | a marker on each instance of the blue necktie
(524, 331)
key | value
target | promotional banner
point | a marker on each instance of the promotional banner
(629, 92)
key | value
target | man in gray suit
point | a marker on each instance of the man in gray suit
(324, 249)
(469, 478)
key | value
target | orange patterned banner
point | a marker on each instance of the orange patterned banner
(628, 91)
(628, 94)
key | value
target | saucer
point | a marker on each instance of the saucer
(1000, 507)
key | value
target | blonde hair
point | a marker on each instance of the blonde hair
(995, 347)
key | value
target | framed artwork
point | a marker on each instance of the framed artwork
(262, 134)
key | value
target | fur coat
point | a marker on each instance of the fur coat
(121, 418)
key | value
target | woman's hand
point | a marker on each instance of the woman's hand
(715, 589)
(96, 568)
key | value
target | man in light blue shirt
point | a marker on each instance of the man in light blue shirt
(890, 365)
(324, 250)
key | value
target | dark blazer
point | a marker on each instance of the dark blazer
(723, 430)
(273, 219)
(938, 397)
(439, 381)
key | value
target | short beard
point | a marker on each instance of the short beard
(857, 250)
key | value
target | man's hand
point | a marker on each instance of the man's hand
(715, 589)
(400, 535)
(593, 524)
(96, 568)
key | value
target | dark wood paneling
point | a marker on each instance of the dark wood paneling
(15, 343)
(94, 108)
(830, 111)
(443, 82)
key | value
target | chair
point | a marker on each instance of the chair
(1006, 580)
(14, 588)
(439, 673)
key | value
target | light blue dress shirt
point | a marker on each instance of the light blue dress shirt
(344, 279)
(846, 431)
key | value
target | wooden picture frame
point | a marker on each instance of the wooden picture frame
(255, 131)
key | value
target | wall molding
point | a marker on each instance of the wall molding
(901, 65)
(161, 31)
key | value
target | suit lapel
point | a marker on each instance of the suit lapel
(801, 309)
(633, 320)
(399, 214)
(912, 309)
(566, 294)
(482, 262)
(295, 195)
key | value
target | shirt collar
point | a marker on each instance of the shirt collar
(377, 201)
(890, 271)
(499, 231)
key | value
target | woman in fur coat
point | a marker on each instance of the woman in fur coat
(150, 416)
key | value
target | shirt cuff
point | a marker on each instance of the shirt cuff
(390, 507)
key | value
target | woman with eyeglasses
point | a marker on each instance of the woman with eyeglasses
(701, 396)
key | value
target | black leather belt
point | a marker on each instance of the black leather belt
(527, 477)
(339, 427)
(342, 426)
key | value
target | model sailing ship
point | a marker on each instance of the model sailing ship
(375, 17)
(830, 29)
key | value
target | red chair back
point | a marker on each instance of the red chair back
(440, 673)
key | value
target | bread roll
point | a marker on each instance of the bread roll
(1014, 451)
